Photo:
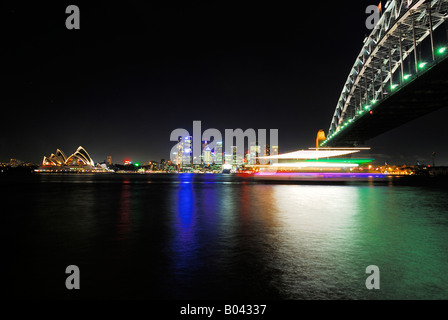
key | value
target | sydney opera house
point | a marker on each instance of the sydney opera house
(80, 161)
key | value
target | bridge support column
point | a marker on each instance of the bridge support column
(446, 29)
(390, 65)
(366, 87)
(415, 44)
(401, 56)
(381, 79)
(430, 29)
(360, 98)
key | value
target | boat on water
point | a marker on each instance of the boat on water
(336, 164)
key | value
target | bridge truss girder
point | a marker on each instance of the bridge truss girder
(397, 39)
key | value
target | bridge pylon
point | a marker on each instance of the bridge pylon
(320, 138)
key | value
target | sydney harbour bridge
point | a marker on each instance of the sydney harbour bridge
(400, 74)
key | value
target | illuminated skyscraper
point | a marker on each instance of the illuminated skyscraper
(237, 159)
(228, 158)
(255, 151)
(203, 153)
(207, 158)
(218, 154)
(178, 160)
(234, 155)
(109, 160)
(187, 153)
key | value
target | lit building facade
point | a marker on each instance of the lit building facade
(254, 153)
(15, 162)
(187, 150)
(207, 157)
(237, 160)
(219, 153)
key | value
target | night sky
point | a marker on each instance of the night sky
(137, 70)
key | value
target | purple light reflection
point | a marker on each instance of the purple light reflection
(326, 175)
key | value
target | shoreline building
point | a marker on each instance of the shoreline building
(187, 150)
(255, 151)
(208, 160)
(219, 154)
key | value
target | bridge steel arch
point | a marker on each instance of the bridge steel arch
(380, 67)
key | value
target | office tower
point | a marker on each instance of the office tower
(187, 153)
(207, 157)
(237, 159)
(219, 154)
(255, 151)
(234, 155)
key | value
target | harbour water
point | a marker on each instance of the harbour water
(222, 237)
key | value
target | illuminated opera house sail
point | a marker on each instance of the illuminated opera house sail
(78, 161)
